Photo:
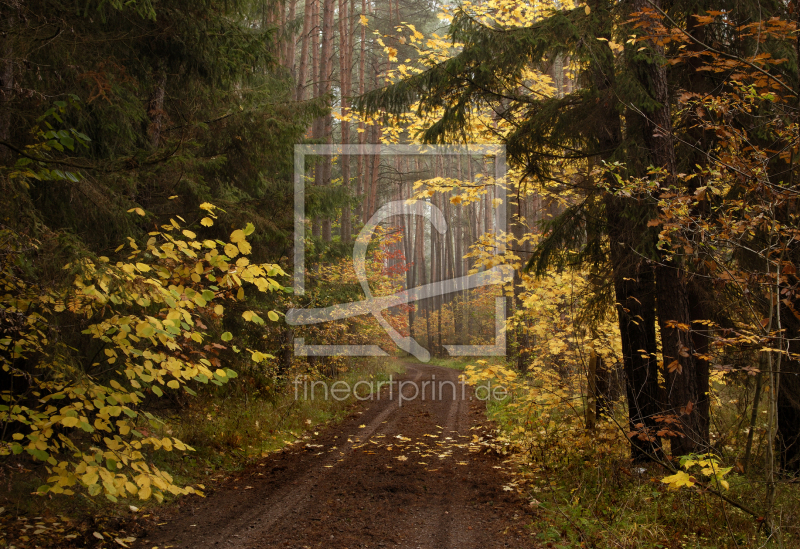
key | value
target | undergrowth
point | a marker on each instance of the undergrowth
(228, 428)
(589, 493)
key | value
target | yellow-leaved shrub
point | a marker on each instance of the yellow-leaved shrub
(144, 333)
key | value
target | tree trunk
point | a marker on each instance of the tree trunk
(318, 124)
(591, 390)
(362, 130)
(419, 265)
(682, 374)
(344, 76)
(325, 76)
(408, 238)
(789, 416)
(6, 90)
(157, 107)
(635, 295)
(308, 19)
(633, 280)
(518, 230)
(282, 52)
(375, 174)
(290, 46)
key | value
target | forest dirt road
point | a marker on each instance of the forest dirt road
(393, 474)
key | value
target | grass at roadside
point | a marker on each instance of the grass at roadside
(590, 494)
(456, 363)
(227, 434)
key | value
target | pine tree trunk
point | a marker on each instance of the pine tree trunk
(375, 174)
(290, 45)
(419, 265)
(449, 258)
(518, 230)
(683, 390)
(282, 53)
(326, 77)
(408, 239)
(344, 74)
(369, 160)
(635, 295)
(308, 18)
(318, 124)
(681, 367)
(634, 284)
(591, 390)
(362, 131)
(157, 107)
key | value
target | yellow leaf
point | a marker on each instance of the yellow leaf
(588, 10)
(237, 236)
(144, 493)
(144, 329)
(89, 478)
(678, 479)
(188, 234)
(173, 384)
(206, 222)
(244, 247)
(137, 210)
(231, 250)
(69, 421)
(273, 316)
(364, 20)
(218, 310)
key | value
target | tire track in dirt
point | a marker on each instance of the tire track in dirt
(407, 478)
